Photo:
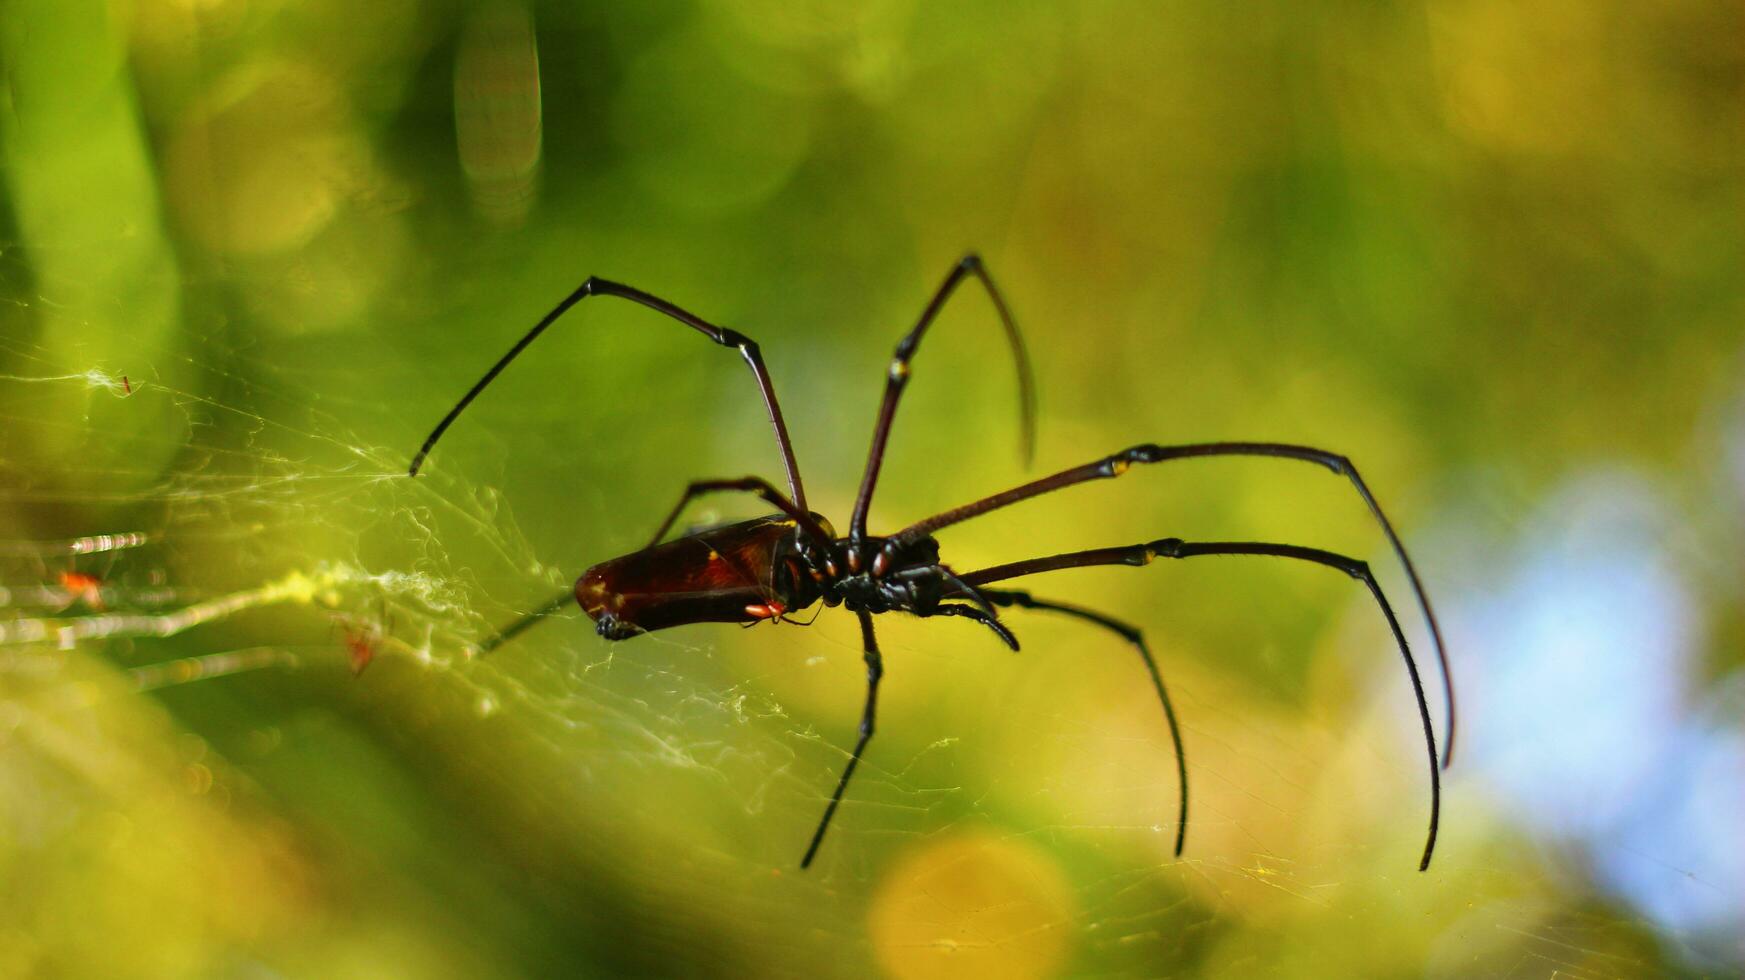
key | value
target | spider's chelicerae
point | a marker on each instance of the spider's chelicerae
(767, 568)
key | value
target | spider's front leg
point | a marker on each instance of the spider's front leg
(875, 669)
(1119, 463)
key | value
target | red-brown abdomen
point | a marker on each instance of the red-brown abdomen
(722, 575)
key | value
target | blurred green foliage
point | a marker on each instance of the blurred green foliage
(1481, 247)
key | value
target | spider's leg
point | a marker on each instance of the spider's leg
(875, 669)
(897, 377)
(1121, 462)
(754, 485)
(1130, 633)
(596, 286)
(975, 613)
(520, 626)
(1144, 554)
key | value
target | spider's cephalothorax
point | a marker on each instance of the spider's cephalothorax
(914, 583)
(766, 568)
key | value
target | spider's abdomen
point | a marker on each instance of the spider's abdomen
(726, 574)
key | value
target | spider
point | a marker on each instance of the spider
(767, 568)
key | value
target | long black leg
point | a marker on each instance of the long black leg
(1143, 554)
(897, 377)
(520, 626)
(596, 286)
(751, 484)
(1130, 633)
(1113, 466)
(875, 669)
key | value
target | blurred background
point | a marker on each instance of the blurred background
(250, 251)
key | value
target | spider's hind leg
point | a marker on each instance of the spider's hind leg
(510, 632)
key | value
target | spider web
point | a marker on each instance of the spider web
(182, 674)
(247, 261)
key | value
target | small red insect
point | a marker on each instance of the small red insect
(363, 638)
(360, 645)
(80, 587)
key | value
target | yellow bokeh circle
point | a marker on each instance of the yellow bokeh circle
(972, 905)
